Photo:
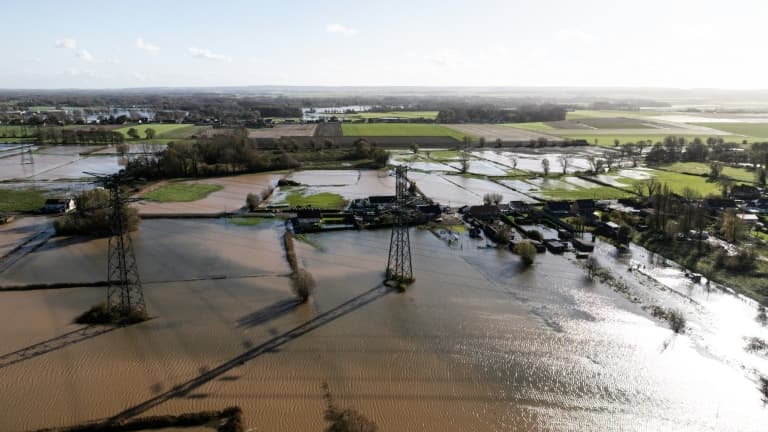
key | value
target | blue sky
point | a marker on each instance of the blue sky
(670, 43)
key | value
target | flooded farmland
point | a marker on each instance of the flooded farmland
(476, 343)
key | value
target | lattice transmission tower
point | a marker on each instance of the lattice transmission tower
(124, 291)
(26, 154)
(399, 265)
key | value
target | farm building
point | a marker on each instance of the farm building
(749, 219)
(307, 220)
(745, 192)
(484, 212)
(558, 208)
(382, 202)
(59, 205)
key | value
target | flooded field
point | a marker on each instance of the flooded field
(457, 191)
(476, 343)
(350, 184)
(230, 198)
(59, 162)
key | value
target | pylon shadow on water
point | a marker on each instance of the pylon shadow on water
(53, 344)
(269, 313)
(272, 345)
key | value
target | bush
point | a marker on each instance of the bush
(93, 216)
(102, 314)
(535, 235)
(676, 320)
(303, 284)
(527, 252)
(252, 201)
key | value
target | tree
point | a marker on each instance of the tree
(513, 160)
(545, 166)
(464, 161)
(492, 198)
(414, 147)
(481, 142)
(133, 133)
(760, 176)
(149, 133)
(715, 170)
(527, 252)
(732, 227)
(498, 142)
(591, 267)
(252, 201)
(565, 161)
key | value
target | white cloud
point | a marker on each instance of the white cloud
(66, 43)
(208, 54)
(573, 35)
(147, 46)
(85, 55)
(340, 29)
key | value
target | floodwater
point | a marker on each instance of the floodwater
(59, 162)
(350, 184)
(476, 343)
(457, 191)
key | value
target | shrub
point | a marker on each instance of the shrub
(535, 235)
(252, 201)
(527, 252)
(93, 216)
(303, 284)
(676, 320)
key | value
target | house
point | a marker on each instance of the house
(484, 212)
(749, 219)
(716, 205)
(558, 208)
(59, 205)
(585, 208)
(582, 245)
(745, 192)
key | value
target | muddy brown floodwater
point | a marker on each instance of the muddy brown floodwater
(476, 343)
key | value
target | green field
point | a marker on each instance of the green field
(182, 192)
(592, 114)
(8, 131)
(397, 114)
(532, 126)
(324, 200)
(398, 129)
(750, 129)
(597, 192)
(20, 200)
(701, 168)
(160, 129)
(249, 221)
(606, 140)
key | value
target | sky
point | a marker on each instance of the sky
(590, 43)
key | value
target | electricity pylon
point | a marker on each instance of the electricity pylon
(125, 294)
(399, 265)
(26, 154)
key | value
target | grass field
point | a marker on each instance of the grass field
(398, 129)
(325, 200)
(182, 192)
(597, 192)
(606, 140)
(7, 131)
(701, 168)
(397, 114)
(759, 130)
(249, 221)
(591, 114)
(532, 126)
(20, 200)
(160, 129)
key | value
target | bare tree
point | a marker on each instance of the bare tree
(492, 198)
(565, 161)
(545, 166)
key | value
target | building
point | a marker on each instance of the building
(484, 212)
(59, 205)
(749, 219)
(382, 202)
(745, 192)
(558, 208)
(307, 220)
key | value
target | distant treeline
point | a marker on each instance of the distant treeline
(490, 114)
